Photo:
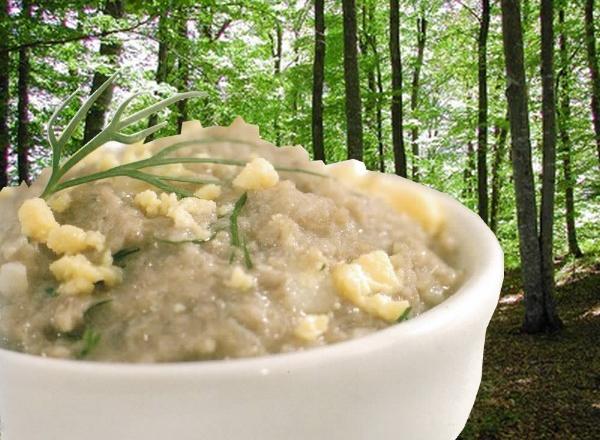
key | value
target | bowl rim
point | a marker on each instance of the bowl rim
(489, 269)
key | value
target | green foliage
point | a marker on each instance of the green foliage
(230, 51)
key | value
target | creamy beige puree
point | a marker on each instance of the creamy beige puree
(257, 259)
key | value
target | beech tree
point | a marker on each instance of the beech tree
(354, 133)
(4, 95)
(540, 313)
(111, 49)
(548, 161)
(564, 119)
(162, 62)
(482, 114)
(414, 94)
(396, 107)
(23, 140)
(590, 40)
(318, 79)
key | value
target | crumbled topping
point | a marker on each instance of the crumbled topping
(60, 202)
(74, 271)
(369, 282)
(188, 213)
(36, 219)
(78, 275)
(257, 174)
(209, 192)
(240, 280)
(68, 239)
(310, 327)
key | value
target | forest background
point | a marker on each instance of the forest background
(432, 90)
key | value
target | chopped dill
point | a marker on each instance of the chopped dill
(119, 256)
(404, 315)
(233, 220)
(90, 339)
(91, 310)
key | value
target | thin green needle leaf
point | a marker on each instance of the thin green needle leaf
(190, 180)
(404, 315)
(156, 108)
(119, 256)
(91, 310)
(91, 338)
(68, 131)
(52, 140)
(138, 136)
(121, 109)
(247, 259)
(233, 220)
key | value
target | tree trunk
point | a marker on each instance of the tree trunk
(467, 193)
(364, 43)
(414, 95)
(548, 162)
(379, 116)
(564, 116)
(4, 96)
(593, 67)
(183, 69)
(318, 80)
(482, 114)
(23, 138)
(94, 121)
(352, 83)
(397, 117)
(277, 53)
(537, 318)
(162, 68)
(499, 153)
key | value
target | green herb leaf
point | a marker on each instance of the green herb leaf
(196, 241)
(119, 256)
(51, 292)
(90, 339)
(404, 315)
(247, 259)
(233, 220)
(89, 313)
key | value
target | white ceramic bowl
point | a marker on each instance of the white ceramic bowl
(415, 380)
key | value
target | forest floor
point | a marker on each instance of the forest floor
(544, 386)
